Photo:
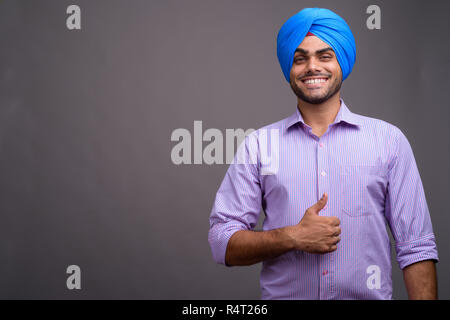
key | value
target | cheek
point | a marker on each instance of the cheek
(293, 74)
(295, 71)
(338, 75)
(336, 69)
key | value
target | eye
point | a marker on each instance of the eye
(299, 59)
(326, 57)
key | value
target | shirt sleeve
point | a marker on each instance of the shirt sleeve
(406, 208)
(238, 201)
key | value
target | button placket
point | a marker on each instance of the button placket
(322, 166)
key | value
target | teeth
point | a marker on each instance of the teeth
(311, 81)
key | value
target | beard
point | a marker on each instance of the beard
(333, 88)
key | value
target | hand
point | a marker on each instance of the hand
(316, 234)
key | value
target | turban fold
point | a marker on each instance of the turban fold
(324, 24)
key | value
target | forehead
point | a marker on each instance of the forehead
(312, 43)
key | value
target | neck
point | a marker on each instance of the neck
(320, 116)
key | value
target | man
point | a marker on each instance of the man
(340, 179)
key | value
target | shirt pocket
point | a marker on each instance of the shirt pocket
(355, 183)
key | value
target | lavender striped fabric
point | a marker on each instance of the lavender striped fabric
(368, 169)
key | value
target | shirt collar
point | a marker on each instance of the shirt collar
(344, 114)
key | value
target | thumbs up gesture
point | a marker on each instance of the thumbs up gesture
(314, 233)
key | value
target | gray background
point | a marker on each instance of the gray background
(86, 118)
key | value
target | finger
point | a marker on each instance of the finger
(334, 221)
(319, 205)
(337, 231)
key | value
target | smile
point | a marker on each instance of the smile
(314, 82)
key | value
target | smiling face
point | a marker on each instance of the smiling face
(315, 74)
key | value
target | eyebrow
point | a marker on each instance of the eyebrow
(305, 52)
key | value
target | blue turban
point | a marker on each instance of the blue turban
(324, 24)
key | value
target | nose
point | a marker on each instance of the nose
(313, 65)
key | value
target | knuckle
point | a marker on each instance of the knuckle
(333, 221)
(337, 232)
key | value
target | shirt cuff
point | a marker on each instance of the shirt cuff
(423, 248)
(218, 238)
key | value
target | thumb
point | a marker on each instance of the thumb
(319, 205)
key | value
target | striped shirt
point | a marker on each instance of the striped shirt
(367, 168)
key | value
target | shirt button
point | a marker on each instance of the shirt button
(323, 173)
(325, 272)
(321, 144)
